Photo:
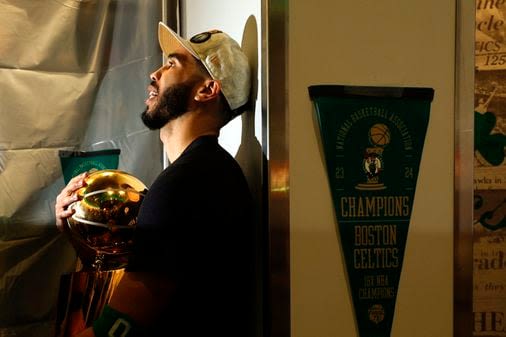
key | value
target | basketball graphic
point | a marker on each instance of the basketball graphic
(379, 135)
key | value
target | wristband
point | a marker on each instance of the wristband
(113, 323)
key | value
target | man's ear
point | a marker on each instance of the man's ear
(208, 91)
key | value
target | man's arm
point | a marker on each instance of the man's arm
(86, 333)
(140, 295)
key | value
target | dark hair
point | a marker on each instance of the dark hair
(228, 114)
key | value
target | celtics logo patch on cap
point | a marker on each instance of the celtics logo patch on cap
(203, 37)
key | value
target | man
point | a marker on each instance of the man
(191, 273)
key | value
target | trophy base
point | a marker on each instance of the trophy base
(370, 187)
(81, 298)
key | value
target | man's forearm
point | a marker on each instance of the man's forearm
(142, 296)
(138, 300)
(86, 333)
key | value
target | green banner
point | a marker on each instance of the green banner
(373, 140)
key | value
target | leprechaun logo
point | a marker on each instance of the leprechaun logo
(373, 164)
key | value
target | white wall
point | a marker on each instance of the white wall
(362, 42)
(232, 18)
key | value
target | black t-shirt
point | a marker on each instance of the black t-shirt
(195, 225)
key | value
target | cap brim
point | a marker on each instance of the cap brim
(169, 40)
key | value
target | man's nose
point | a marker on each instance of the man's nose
(155, 76)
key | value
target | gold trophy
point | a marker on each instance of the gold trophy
(101, 230)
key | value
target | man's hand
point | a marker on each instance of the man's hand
(66, 197)
(86, 333)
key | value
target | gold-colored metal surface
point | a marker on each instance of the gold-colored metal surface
(106, 215)
(464, 138)
(82, 297)
(275, 143)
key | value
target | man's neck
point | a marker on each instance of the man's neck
(182, 131)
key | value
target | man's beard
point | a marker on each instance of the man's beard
(173, 103)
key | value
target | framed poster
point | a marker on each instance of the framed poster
(489, 221)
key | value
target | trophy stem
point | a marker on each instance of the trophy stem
(99, 262)
(101, 230)
(82, 298)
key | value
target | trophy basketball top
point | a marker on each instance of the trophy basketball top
(110, 198)
(106, 213)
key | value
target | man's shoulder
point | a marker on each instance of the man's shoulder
(205, 155)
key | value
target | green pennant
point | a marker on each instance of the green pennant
(373, 140)
(74, 163)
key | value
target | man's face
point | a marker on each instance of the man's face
(171, 90)
(170, 104)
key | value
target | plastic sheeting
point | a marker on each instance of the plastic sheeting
(73, 75)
